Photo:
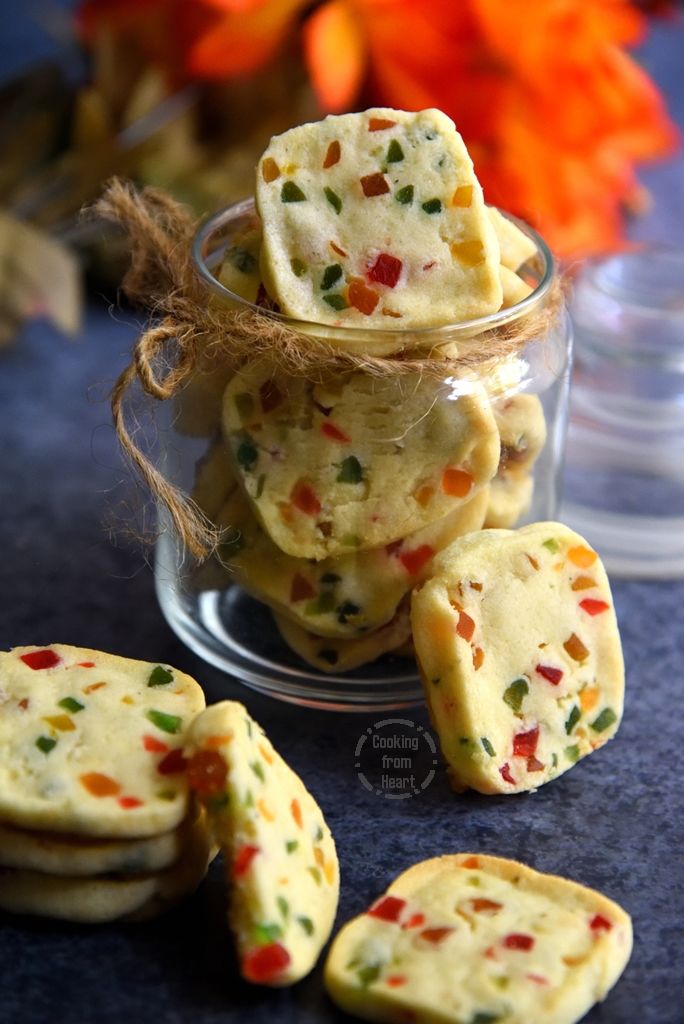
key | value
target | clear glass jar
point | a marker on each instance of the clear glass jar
(342, 597)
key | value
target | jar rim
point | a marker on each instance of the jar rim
(424, 336)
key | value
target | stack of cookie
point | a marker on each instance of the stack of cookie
(337, 491)
(96, 822)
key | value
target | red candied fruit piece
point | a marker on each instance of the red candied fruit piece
(534, 765)
(413, 561)
(388, 908)
(86, 664)
(600, 923)
(129, 802)
(304, 498)
(334, 433)
(265, 963)
(243, 858)
(153, 745)
(516, 940)
(46, 658)
(374, 185)
(414, 921)
(505, 773)
(333, 154)
(385, 270)
(301, 589)
(378, 124)
(552, 675)
(592, 606)
(435, 935)
(173, 763)
(525, 743)
(207, 772)
(481, 905)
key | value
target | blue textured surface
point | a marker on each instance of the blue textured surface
(615, 821)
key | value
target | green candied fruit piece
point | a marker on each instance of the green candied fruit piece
(291, 193)
(573, 719)
(484, 1018)
(432, 206)
(283, 906)
(346, 611)
(264, 934)
(258, 770)
(331, 275)
(46, 744)
(336, 301)
(244, 403)
(572, 753)
(488, 747)
(404, 195)
(368, 974)
(316, 875)
(394, 152)
(330, 577)
(516, 693)
(318, 838)
(71, 704)
(604, 720)
(351, 471)
(551, 545)
(321, 605)
(298, 267)
(159, 676)
(333, 199)
(350, 540)
(165, 722)
(307, 924)
(218, 802)
(291, 845)
(261, 480)
(247, 454)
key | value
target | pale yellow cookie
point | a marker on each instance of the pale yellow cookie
(520, 655)
(355, 462)
(479, 939)
(510, 498)
(376, 219)
(334, 655)
(515, 247)
(91, 742)
(522, 428)
(514, 288)
(280, 855)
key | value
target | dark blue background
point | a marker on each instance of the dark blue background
(614, 822)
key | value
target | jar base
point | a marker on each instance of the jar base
(235, 633)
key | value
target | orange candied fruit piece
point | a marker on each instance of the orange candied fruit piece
(424, 495)
(583, 583)
(304, 498)
(456, 482)
(463, 196)
(267, 756)
(297, 813)
(265, 810)
(470, 862)
(588, 698)
(575, 648)
(478, 658)
(582, 557)
(469, 253)
(269, 169)
(333, 155)
(466, 626)
(361, 297)
(98, 784)
(378, 124)
(207, 772)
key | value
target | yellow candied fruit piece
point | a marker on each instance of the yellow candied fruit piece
(265, 810)
(329, 871)
(424, 495)
(270, 170)
(463, 196)
(127, 700)
(582, 557)
(318, 856)
(469, 253)
(588, 698)
(61, 722)
(291, 168)
(265, 754)
(583, 583)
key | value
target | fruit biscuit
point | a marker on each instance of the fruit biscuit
(376, 219)
(343, 597)
(520, 655)
(475, 939)
(280, 855)
(355, 462)
(92, 743)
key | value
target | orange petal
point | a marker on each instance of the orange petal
(334, 51)
(243, 37)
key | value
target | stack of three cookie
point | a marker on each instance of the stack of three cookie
(96, 823)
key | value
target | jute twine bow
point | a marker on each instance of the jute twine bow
(188, 334)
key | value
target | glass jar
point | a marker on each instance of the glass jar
(468, 450)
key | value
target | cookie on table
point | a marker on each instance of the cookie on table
(92, 743)
(376, 219)
(510, 498)
(520, 655)
(279, 853)
(344, 596)
(58, 854)
(355, 462)
(478, 939)
(96, 899)
(335, 655)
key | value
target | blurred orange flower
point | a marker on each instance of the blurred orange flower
(555, 113)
